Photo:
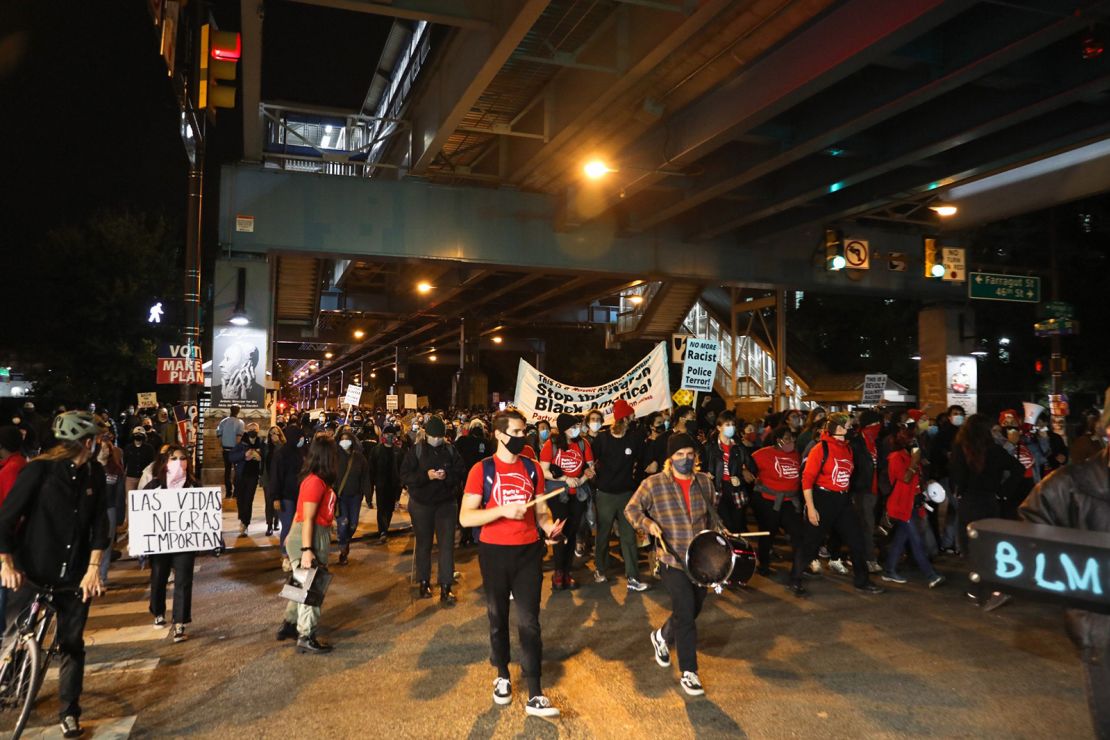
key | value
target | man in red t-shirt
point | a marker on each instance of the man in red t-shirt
(510, 554)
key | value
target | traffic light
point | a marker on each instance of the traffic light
(219, 53)
(281, 405)
(834, 250)
(1038, 366)
(934, 259)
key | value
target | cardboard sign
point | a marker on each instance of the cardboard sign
(147, 400)
(165, 520)
(391, 403)
(874, 386)
(1068, 566)
(410, 401)
(354, 395)
(699, 367)
(644, 387)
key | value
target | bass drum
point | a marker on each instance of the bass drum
(709, 559)
(744, 561)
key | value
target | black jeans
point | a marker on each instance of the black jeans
(731, 515)
(770, 520)
(516, 570)
(71, 614)
(438, 520)
(228, 472)
(244, 496)
(680, 627)
(837, 515)
(182, 565)
(572, 510)
(271, 512)
(387, 499)
(973, 508)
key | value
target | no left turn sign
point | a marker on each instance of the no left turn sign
(857, 253)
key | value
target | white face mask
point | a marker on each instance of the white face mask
(175, 470)
(595, 426)
(729, 431)
(573, 433)
(435, 441)
(345, 444)
(957, 420)
(300, 442)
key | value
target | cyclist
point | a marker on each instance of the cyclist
(60, 498)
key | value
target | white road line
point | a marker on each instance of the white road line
(114, 728)
(139, 665)
(119, 635)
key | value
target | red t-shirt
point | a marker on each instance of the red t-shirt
(9, 471)
(685, 486)
(315, 490)
(778, 470)
(572, 461)
(836, 473)
(512, 485)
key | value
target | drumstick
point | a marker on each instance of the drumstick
(544, 497)
(750, 534)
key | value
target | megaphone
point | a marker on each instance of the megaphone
(1032, 412)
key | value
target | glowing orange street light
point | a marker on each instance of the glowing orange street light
(595, 169)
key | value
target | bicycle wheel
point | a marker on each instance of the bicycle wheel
(46, 635)
(28, 678)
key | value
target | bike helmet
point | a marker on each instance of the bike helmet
(74, 426)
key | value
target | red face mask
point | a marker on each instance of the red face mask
(750, 437)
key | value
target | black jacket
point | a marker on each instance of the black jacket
(991, 482)
(1077, 496)
(285, 469)
(359, 481)
(474, 448)
(422, 458)
(713, 462)
(135, 459)
(385, 459)
(65, 513)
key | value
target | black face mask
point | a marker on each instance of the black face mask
(138, 438)
(252, 435)
(515, 445)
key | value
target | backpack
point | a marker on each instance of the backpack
(489, 475)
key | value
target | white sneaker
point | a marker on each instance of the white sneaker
(540, 706)
(838, 567)
(823, 552)
(502, 691)
(286, 565)
(690, 684)
(662, 652)
(599, 577)
(242, 529)
(815, 566)
(874, 567)
(636, 585)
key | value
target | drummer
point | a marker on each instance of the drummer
(675, 505)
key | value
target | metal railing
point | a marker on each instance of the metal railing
(633, 303)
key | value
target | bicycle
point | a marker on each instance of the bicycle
(25, 652)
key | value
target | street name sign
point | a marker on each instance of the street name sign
(989, 286)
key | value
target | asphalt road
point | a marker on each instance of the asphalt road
(911, 662)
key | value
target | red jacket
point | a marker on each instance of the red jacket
(9, 469)
(835, 473)
(899, 505)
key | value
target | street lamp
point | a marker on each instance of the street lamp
(423, 287)
(328, 355)
(496, 340)
(359, 333)
(596, 169)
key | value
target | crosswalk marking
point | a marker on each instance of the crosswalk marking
(118, 635)
(138, 665)
(114, 728)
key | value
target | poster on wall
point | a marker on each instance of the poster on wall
(963, 382)
(239, 365)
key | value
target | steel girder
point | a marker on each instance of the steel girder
(854, 34)
(862, 107)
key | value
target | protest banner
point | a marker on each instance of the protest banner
(699, 366)
(874, 385)
(644, 386)
(164, 520)
(147, 400)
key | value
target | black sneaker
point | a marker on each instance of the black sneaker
(691, 684)
(311, 645)
(287, 631)
(425, 590)
(662, 652)
(871, 588)
(797, 588)
(179, 633)
(540, 706)
(446, 596)
(71, 727)
(502, 691)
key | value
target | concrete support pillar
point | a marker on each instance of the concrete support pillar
(471, 386)
(942, 330)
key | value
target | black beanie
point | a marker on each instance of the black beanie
(566, 421)
(434, 427)
(678, 442)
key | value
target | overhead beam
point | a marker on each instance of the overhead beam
(465, 69)
(854, 34)
(979, 54)
(985, 114)
(443, 12)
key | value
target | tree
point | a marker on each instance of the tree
(82, 309)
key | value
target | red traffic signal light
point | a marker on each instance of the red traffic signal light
(226, 46)
(281, 405)
(1038, 366)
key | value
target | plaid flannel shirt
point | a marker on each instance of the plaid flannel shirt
(660, 499)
